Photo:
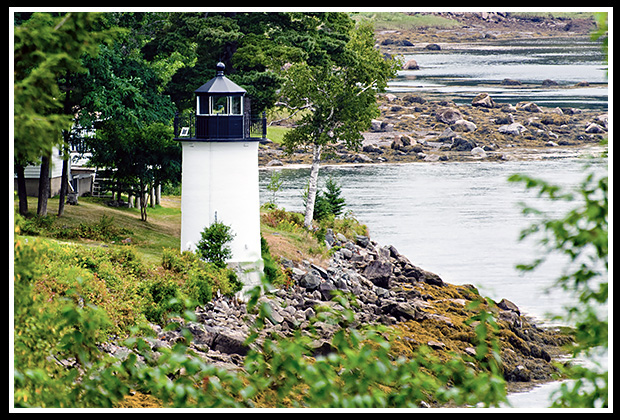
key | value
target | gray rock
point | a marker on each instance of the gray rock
(483, 100)
(463, 126)
(513, 129)
(448, 115)
(379, 273)
(460, 144)
(310, 280)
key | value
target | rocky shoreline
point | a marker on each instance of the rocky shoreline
(412, 129)
(421, 308)
(421, 128)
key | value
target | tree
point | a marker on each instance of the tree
(213, 245)
(47, 47)
(334, 92)
(141, 156)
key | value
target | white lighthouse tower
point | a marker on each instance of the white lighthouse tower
(220, 173)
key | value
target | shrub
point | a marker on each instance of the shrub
(212, 246)
(200, 278)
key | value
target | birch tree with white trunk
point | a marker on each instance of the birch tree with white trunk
(334, 95)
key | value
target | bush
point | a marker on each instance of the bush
(198, 277)
(103, 230)
(212, 246)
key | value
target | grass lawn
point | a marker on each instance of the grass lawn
(161, 230)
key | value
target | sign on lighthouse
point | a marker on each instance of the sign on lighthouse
(220, 172)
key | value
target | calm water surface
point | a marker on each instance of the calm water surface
(463, 220)
(459, 220)
(462, 71)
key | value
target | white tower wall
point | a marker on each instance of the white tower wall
(221, 177)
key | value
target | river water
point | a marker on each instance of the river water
(459, 220)
(462, 220)
(462, 71)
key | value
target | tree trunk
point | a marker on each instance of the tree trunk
(64, 181)
(44, 186)
(21, 190)
(312, 186)
(143, 201)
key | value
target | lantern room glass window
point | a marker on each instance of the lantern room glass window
(220, 105)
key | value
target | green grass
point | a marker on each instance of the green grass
(403, 21)
(161, 230)
(276, 133)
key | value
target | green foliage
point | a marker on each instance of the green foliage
(273, 272)
(334, 202)
(582, 236)
(212, 246)
(103, 230)
(337, 86)
(328, 203)
(48, 47)
(360, 371)
(275, 183)
(47, 331)
(200, 278)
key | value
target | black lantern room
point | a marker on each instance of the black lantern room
(222, 113)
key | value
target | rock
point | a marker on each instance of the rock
(229, 342)
(432, 47)
(362, 158)
(447, 135)
(483, 100)
(464, 125)
(505, 120)
(594, 129)
(370, 148)
(329, 237)
(478, 152)
(528, 106)
(275, 162)
(513, 129)
(431, 278)
(603, 119)
(310, 280)
(448, 115)
(375, 125)
(511, 82)
(362, 241)
(411, 65)
(413, 99)
(379, 273)
(326, 289)
(403, 310)
(518, 374)
(549, 82)
(437, 345)
(507, 305)
(512, 318)
(460, 144)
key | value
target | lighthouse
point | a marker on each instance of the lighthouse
(220, 172)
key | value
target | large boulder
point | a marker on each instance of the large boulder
(459, 144)
(448, 115)
(463, 126)
(411, 65)
(514, 129)
(483, 100)
(379, 273)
